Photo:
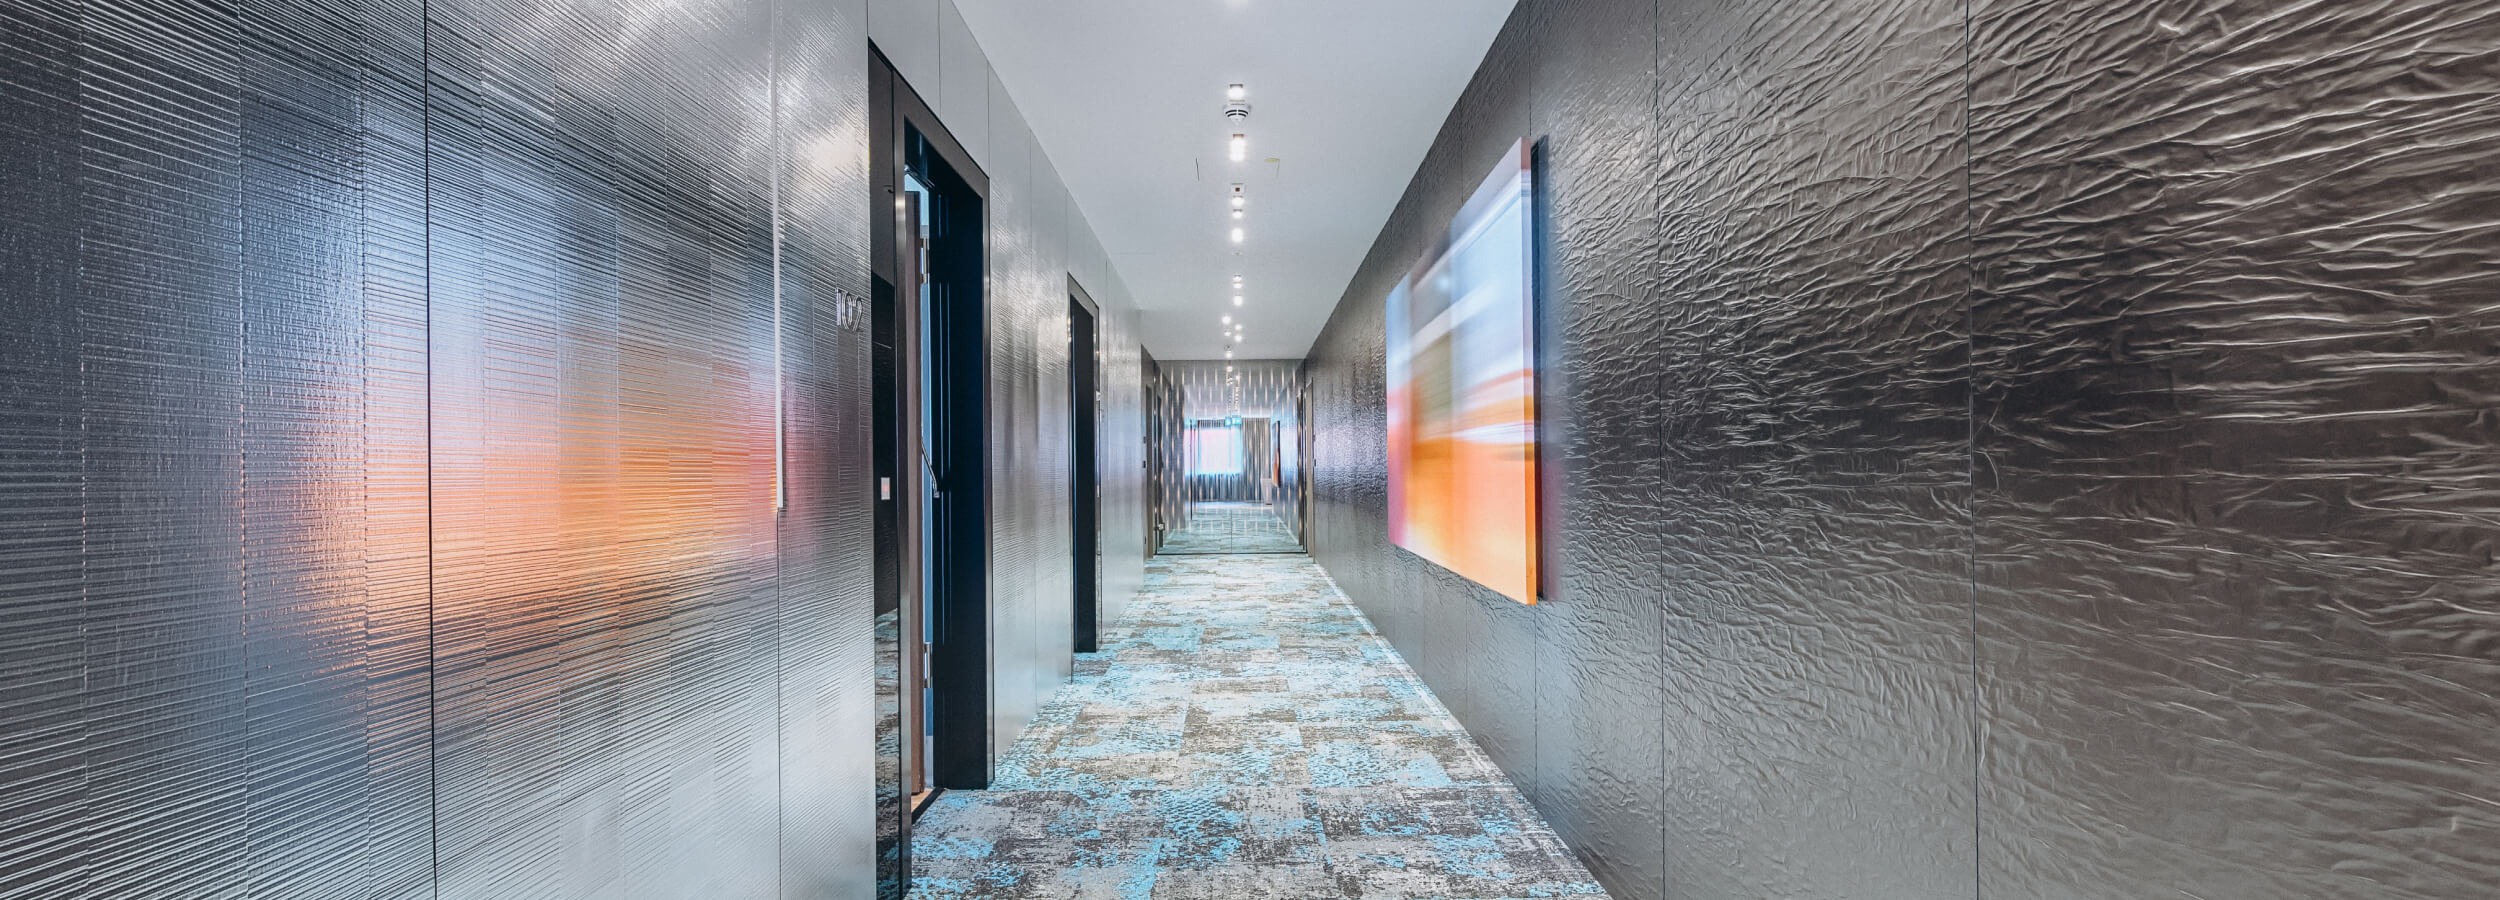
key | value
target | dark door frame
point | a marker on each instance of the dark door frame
(1084, 466)
(1151, 382)
(906, 135)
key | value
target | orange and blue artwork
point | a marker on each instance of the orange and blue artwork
(1462, 388)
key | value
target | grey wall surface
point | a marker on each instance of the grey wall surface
(1039, 239)
(2025, 448)
(434, 446)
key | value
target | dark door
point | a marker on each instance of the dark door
(1084, 479)
(931, 373)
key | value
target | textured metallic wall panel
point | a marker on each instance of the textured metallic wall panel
(828, 844)
(1171, 502)
(1814, 436)
(398, 852)
(389, 451)
(348, 345)
(2164, 318)
(1121, 453)
(1015, 426)
(161, 329)
(604, 470)
(1032, 562)
(2236, 363)
(216, 500)
(334, 452)
(42, 656)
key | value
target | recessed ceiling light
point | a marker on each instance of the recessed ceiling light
(1228, 320)
(1236, 92)
(1236, 235)
(1236, 299)
(1240, 147)
(1239, 201)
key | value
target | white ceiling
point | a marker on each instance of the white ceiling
(1127, 98)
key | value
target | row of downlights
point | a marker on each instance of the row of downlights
(1236, 111)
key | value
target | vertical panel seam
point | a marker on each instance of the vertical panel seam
(1657, 220)
(774, 161)
(1970, 438)
(433, 654)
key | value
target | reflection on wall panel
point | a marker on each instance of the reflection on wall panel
(2028, 371)
(334, 489)
(604, 434)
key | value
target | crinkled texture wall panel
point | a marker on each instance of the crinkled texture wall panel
(1565, 695)
(1813, 368)
(2111, 386)
(2236, 363)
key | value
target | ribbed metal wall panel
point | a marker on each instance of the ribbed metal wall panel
(42, 655)
(161, 331)
(604, 433)
(1120, 454)
(828, 843)
(334, 443)
(353, 345)
(1016, 468)
(2014, 449)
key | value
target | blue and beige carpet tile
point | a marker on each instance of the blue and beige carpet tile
(1243, 734)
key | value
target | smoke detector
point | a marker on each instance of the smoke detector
(1236, 103)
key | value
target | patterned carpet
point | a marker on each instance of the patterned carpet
(1244, 734)
(1219, 527)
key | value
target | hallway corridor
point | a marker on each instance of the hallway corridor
(1243, 734)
